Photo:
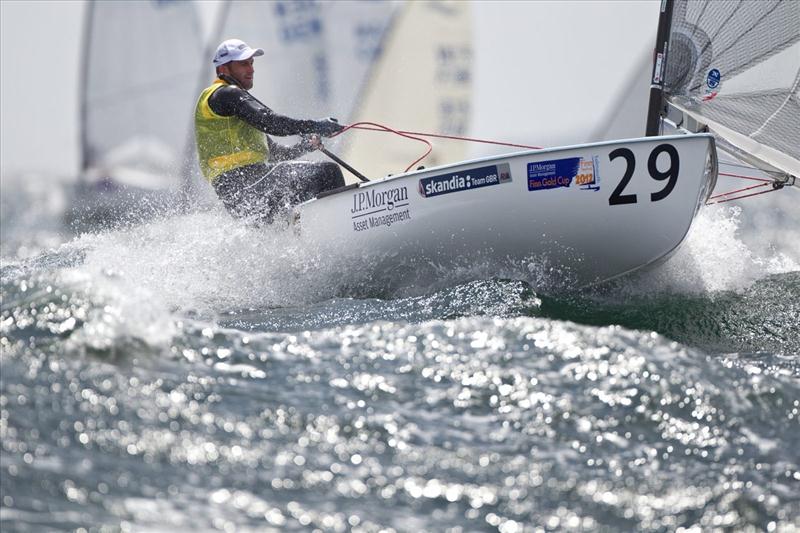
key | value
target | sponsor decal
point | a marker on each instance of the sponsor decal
(464, 180)
(588, 178)
(713, 78)
(373, 208)
(713, 82)
(561, 173)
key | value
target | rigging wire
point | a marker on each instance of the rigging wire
(745, 189)
(764, 182)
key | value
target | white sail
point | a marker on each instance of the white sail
(354, 35)
(316, 54)
(292, 77)
(141, 65)
(421, 83)
(734, 66)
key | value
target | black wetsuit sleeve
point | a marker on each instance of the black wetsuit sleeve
(230, 100)
(280, 152)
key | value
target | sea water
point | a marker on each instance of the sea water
(190, 373)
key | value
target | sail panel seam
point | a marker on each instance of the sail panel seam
(777, 111)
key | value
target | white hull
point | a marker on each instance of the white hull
(553, 208)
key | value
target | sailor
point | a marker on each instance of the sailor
(252, 174)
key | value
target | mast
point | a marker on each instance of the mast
(659, 69)
(84, 108)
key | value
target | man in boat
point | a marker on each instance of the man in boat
(253, 175)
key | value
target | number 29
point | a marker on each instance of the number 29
(670, 174)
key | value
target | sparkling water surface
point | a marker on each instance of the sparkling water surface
(190, 373)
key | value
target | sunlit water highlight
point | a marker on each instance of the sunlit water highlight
(191, 373)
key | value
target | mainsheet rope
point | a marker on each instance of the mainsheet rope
(419, 136)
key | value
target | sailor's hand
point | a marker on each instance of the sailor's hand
(328, 127)
(314, 142)
(310, 142)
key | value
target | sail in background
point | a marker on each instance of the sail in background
(421, 83)
(142, 64)
(316, 54)
(292, 75)
(735, 66)
(354, 36)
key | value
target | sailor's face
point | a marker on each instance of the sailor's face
(242, 71)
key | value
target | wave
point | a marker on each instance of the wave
(760, 318)
(449, 423)
(132, 286)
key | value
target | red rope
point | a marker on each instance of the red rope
(743, 196)
(381, 127)
(417, 136)
(738, 190)
(745, 177)
(441, 136)
(763, 183)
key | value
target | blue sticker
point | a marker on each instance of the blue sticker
(473, 178)
(552, 174)
(713, 78)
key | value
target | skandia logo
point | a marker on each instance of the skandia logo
(372, 201)
(473, 178)
(455, 183)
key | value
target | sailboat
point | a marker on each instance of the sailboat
(142, 63)
(592, 212)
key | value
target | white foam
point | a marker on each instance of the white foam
(719, 255)
(207, 263)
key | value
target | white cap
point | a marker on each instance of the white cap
(234, 50)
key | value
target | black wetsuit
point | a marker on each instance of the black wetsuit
(262, 190)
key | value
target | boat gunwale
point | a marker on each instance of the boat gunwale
(492, 158)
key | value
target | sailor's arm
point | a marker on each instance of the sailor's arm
(280, 152)
(231, 100)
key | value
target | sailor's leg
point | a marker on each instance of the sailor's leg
(247, 192)
(262, 191)
(308, 178)
(228, 188)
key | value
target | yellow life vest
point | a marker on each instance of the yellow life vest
(225, 143)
